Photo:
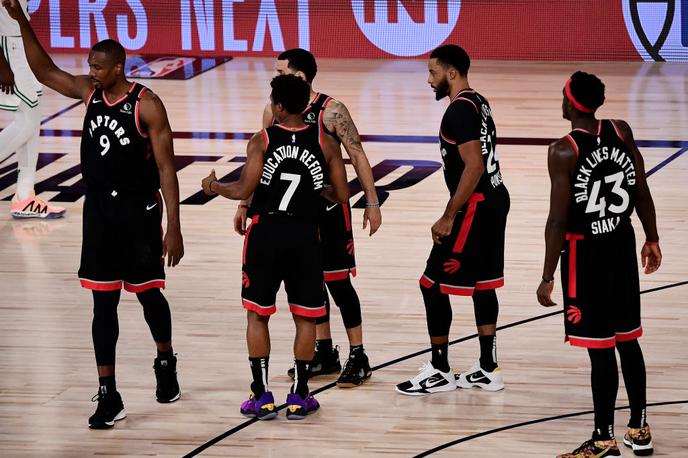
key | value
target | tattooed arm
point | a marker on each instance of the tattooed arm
(338, 120)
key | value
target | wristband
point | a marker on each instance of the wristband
(547, 281)
(373, 205)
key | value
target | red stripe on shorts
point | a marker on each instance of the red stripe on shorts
(254, 220)
(467, 221)
(573, 238)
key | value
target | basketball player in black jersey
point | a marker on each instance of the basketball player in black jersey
(126, 156)
(467, 258)
(288, 167)
(335, 226)
(598, 178)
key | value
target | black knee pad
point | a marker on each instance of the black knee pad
(486, 307)
(345, 297)
(105, 326)
(156, 311)
(438, 312)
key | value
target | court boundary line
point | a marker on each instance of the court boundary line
(532, 422)
(331, 385)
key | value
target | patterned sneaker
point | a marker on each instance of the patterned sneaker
(356, 371)
(110, 409)
(167, 389)
(262, 408)
(429, 380)
(640, 440)
(324, 363)
(594, 449)
(477, 377)
(298, 407)
(34, 207)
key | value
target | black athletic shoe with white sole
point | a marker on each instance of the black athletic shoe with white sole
(167, 389)
(356, 371)
(429, 380)
(110, 409)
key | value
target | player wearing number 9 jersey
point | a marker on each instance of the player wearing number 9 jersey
(126, 155)
(287, 168)
(598, 180)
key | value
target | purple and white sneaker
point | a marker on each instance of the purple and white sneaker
(262, 408)
(298, 407)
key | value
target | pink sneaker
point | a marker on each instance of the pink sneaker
(34, 207)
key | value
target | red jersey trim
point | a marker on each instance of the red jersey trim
(585, 342)
(140, 287)
(631, 335)
(337, 275)
(446, 139)
(489, 284)
(456, 290)
(310, 104)
(90, 96)
(468, 100)
(573, 143)
(425, 281)
(96, 285)
(259, 309)
(136, 114)
(307, 311)
(573, 263)
(112, 104)
(266, 139)
(291, 129)
(616, 129)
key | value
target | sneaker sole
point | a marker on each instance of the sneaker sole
(301, 417)
(482, 387)
(354, 385)
(416, 393)
(22, 215)
(639, 450)
(109, 424)
(171, 400)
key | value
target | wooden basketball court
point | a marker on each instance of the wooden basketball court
(47, 367)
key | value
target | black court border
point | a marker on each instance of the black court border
(330, 385)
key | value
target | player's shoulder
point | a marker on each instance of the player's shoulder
(563, 147)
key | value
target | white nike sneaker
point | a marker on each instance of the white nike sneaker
(429, 380)
(477, 377)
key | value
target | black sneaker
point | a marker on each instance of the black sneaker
(110, 409)
(356, 371)
(324, 363)
(167, 389)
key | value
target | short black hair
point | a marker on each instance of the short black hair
(300, 60)
(291, 92)
(587, 89)
(453, 55)
(112, 49)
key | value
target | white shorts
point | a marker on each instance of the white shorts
(27, 89)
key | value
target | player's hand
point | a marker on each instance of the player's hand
(13, 8)
(651, 257)
(441, 228)
(240, 219)
(205, 183)
(6, 80)
(544, 294)
(173, 246)
(374, 217)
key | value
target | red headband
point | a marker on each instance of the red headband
(579, 106)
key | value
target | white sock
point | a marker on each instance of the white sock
(27, 156)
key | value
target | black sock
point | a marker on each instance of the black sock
(107, 384)
(324, 345)
(165, 355)
(440, 359)
(301, 371)
(488, 352)
(356, 350)
(259, 371)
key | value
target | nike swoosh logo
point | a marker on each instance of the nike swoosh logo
(429, 383)
(602, 453)
(97, 101)
(476, 377)
(328, 207)
(148, 207)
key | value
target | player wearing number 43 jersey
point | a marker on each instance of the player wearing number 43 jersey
(287, 168)
(467, 258)
(598, 180)
(126, 156)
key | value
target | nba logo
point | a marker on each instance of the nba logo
(658, 28)
(406, 27)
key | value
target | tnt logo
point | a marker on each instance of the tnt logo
(658, 28)
(390, 24)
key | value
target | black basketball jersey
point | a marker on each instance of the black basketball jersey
(314, 112)
(294, 173)
(116, 154)
(469, 117)
(603, 183)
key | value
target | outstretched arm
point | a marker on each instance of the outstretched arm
(76, 87)
(154, 118)
(561, 160)
(650, 254)
(337, 119)
(244, 187)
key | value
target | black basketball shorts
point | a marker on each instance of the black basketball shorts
(601, 289)
(122, 242)
(337, 241)
(282, 248)
(471, 257)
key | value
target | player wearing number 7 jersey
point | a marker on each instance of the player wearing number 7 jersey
(598, 180)
(287, 168)
(126, 156)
